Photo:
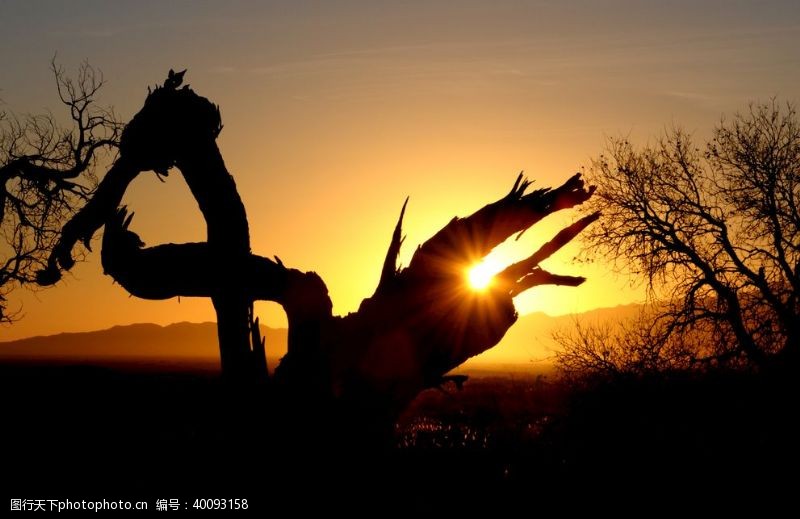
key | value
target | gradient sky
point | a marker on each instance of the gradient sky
(335, 111)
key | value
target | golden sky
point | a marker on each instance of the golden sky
(334, 112)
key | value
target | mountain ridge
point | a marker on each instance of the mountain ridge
(529, 340)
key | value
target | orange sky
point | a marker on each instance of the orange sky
(334, 112)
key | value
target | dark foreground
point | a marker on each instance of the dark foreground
(160, 432)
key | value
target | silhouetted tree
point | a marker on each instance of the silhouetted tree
(623, 349)
(714, 230)
(47, 172)
(421, 322)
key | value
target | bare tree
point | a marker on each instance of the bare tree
(627, 348)
(47, 172)
(713, 230)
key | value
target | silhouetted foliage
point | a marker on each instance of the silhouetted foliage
(47, 172)
(622, 349)
(715, 231)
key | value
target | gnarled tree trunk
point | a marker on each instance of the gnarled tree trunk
(421, 322)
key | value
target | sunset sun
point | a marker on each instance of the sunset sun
(481, 275)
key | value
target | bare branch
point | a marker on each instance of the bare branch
(389, 270)
(47, 172)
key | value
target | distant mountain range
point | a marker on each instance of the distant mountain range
(529, 340)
